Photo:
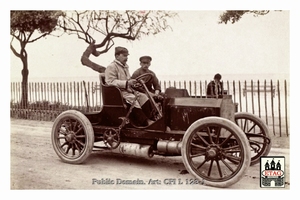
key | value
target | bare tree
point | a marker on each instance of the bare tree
(104, 26)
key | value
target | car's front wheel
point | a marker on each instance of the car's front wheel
(216, 151)
(72, 137)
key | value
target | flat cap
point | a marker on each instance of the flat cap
(145, 58)
(121, 50)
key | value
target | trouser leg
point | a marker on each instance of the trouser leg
(147, 109)
(139, 117)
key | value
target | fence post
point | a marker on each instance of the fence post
(258, 97)
(279, 107)
(252, 97)
(272, 107)
(205, 87)
(233, 87)
(240, 95)
(266, 106)
(201, 89)
(246, 94)
(286, 114)
(195, 89)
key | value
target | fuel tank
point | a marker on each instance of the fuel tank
(183, 111)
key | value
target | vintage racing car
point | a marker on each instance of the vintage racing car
(217, 144)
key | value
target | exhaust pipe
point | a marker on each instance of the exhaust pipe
(167, 146)
(134, 149)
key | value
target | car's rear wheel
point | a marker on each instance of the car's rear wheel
(72, 137)
(257, 133)
(216, 151)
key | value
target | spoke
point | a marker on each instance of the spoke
(198, 146)
(227, 165)
(209, 135)
(61, 137)
(73, 149)
(226, 139)
(67, 126)
(232, 157)
(218, 135)
(77, 147)
(231, 147)
(197, 155)
(219, 168)
(201, 164)
(116, 141)
(79, 130)
(82, 144)
(234, 151)
(80, 136)
(244, 128)
(210, 167)
(63, 133)
(69, 147)
(63, 144)
(203, 140)
(74, 125)
(251, 128)
(71, 123)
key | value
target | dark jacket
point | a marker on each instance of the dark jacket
(153, 84)
(211, 89)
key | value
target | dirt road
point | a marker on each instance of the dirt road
(34, 165)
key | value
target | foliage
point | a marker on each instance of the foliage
(235, 15)
(29, 21)
(24, 23)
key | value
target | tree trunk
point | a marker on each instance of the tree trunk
(25, 72)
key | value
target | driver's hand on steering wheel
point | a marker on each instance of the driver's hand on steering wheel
(131, 82)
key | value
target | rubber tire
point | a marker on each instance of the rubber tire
(262, 125)
(88, 129)
(245, 145)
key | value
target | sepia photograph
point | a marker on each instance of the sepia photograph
(150, 99)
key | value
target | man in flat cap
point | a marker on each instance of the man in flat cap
(153, 85)
(117, 74)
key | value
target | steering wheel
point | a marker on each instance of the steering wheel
(144, 78)
(141, 81)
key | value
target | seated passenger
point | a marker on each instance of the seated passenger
(117, 74)
(215, 87)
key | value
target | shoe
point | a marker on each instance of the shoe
(149, 121)
(168, 129)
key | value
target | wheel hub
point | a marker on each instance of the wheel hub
(70, 137)
(213, 152)
(111, 138)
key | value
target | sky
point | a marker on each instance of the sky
(195, 47)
